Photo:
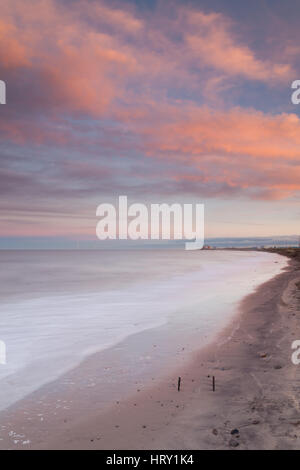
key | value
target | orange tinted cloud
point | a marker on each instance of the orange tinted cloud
(116, 17)
(244, 149)
(12, 52)
(235, 132)
(213, 43)
(85, 58)
(105, 62)
(77, 64)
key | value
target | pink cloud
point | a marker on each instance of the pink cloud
(202, 131)
(117, 17)
(13, 53)
(83, 63)
(212, 41)
(244, 149)
(85, 60)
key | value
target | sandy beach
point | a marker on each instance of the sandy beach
(254, 406)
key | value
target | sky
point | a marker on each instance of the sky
(162, 101)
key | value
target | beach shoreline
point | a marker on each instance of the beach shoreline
(255, 384)
(254, 405)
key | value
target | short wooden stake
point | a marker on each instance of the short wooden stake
(179, 382)
(213, 383)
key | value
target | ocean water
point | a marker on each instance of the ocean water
(58, 307)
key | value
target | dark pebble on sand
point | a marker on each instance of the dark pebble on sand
(234, 432)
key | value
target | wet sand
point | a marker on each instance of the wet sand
(255, 404)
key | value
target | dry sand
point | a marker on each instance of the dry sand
(255, 404)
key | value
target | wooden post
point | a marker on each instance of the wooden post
(213, 383)
(179, 382)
